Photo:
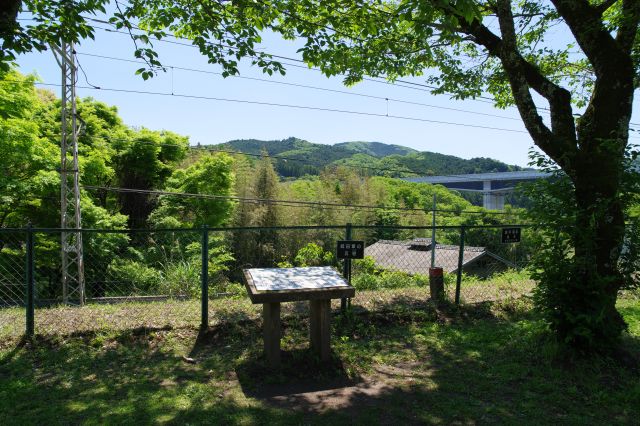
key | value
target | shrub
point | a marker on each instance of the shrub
(365, 281)
(181, 279)
(313, 255)
(128, 278)
(366, 276)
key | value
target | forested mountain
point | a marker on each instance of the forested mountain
(373, 158)
(376, 149)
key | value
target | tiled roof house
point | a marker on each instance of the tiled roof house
(414, 257)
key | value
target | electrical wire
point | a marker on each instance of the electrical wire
(398, 82)
(305, 86)
(463, 177)
(415, 85)
(255, 200)
(285, 203)
(299, 63)
(86, 79)
(293, 106)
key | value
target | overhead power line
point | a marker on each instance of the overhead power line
(398, 82)
(255, 200)
(298, 62)
(273, 55)
(305, 86)
(293, 106)
(308, 108)
(285, 203)
(302, 65)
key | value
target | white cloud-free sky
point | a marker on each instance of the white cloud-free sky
(214, 121)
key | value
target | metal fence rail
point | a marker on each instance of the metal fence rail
(155, 278)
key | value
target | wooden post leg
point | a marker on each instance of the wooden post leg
(320, 328)
(314, 326)
(272, 333)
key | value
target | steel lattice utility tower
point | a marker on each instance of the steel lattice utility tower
(70, 218)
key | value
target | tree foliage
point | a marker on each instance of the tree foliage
(145, 161)
(575, 315)
(111, 154)
(210, 175)
(28, 179)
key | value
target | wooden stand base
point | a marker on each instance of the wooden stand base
(272, 333)
(319, 330)
(320, 327)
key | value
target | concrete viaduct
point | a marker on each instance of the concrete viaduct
(493, 186)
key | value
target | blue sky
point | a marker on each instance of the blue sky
(210, 122)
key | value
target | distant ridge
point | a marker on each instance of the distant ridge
(376, 149)
(390, 160)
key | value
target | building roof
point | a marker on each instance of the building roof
(401, 256)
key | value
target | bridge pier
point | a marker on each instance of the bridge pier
(491, 200)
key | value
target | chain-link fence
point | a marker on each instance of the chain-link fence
(501, 270)
(155, 278)
(132, 279)
(12, 283)
(398, 260)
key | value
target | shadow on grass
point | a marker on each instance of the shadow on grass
(71, 381)
(406, 362)
(300, 371)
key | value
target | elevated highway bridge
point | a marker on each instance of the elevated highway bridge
(493, 186)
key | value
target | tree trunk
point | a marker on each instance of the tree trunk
(592, 321)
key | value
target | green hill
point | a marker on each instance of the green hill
(375, 158)
(375, 149)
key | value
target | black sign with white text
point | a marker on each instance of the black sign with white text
(511, 235)
(350, 249)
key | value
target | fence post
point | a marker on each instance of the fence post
(30, 281)
(433, 233)
(205, 277)
(460, 263)
(346, 269)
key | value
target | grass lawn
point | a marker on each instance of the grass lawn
(397, 360)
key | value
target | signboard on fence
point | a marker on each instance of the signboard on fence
(511, 235)
(349, 249)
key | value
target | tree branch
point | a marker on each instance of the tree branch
(521, 73)
(522, 76)
(587, 27)
(628, 30)
(613, 68)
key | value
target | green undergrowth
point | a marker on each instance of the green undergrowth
(406, 362)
